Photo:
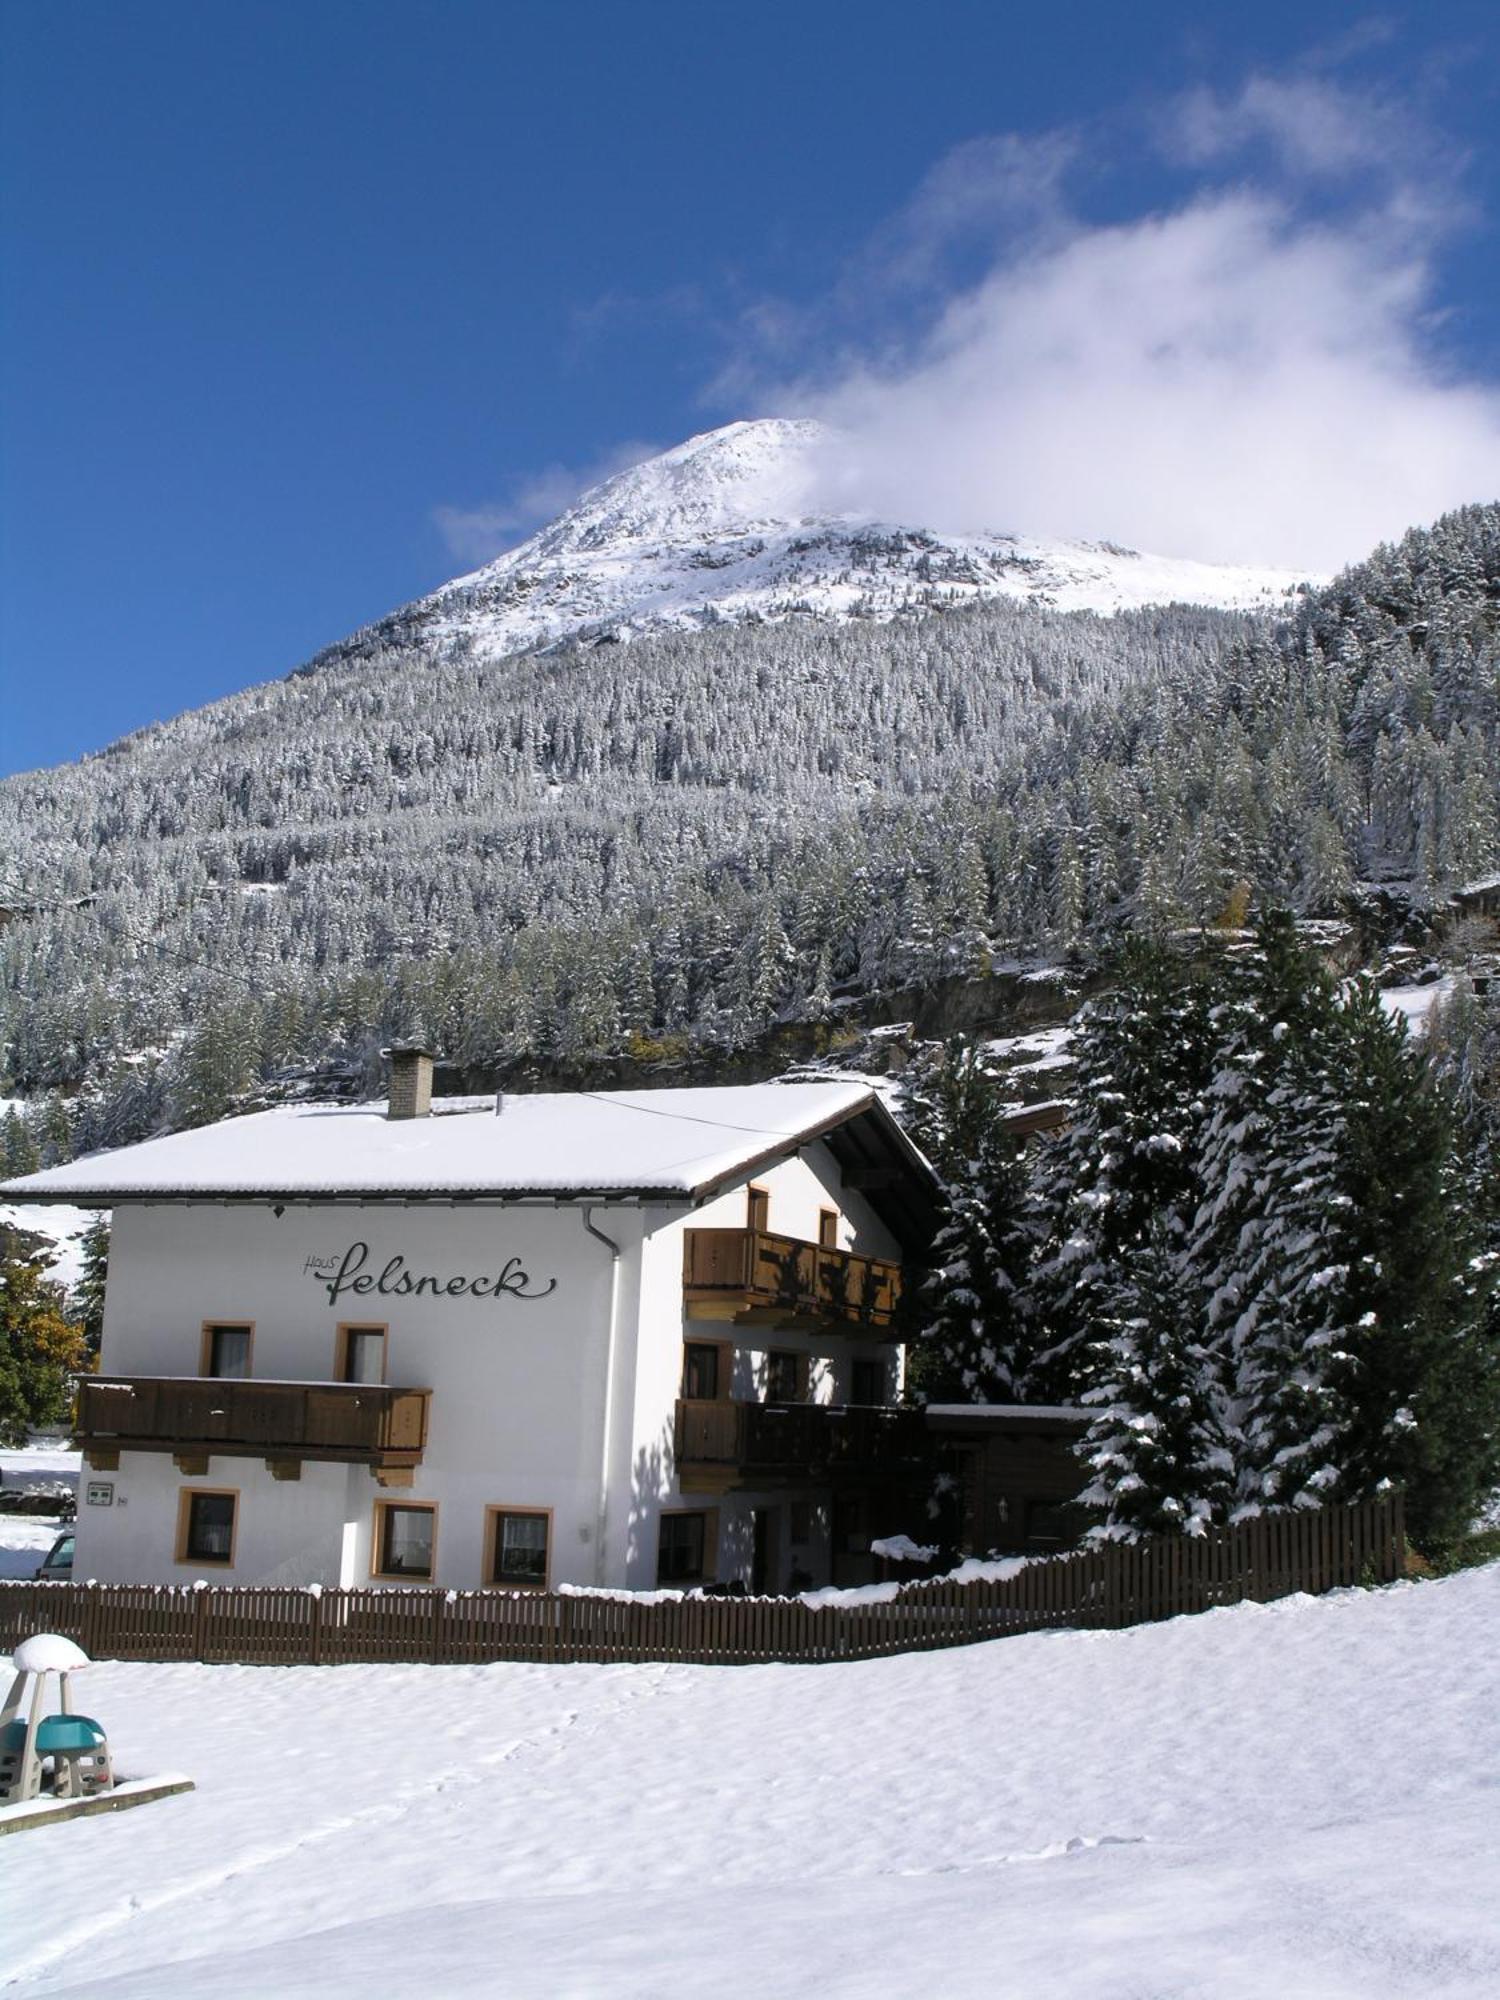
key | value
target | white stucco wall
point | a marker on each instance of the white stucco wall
(288, 1531)
(517, 1384)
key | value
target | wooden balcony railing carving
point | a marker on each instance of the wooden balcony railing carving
(358, 1422)
(739, 1273)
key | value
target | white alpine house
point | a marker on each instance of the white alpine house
(620, 1339)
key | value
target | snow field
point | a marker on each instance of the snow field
(26, 1538)
(1298, 1799)
(64, 1227)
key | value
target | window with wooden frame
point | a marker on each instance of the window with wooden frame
(707, 1370)
(687, 1549)
(358, 1353)
(403, 1545)
(518, 1547)
(225, 1350)
(786, 1376)
(757, 1208)
(207, 1520)
(828, 1229)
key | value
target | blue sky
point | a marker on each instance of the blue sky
(310, 307)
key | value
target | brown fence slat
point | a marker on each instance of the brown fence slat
(1107, 1585)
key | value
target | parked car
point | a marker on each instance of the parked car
(57, 1565)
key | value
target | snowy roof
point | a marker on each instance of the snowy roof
(662, 1143)
(1007, 1415)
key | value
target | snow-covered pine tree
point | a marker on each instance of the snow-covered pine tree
(1256, 1257)
(1156, 1446)
(970, 1336)
(1416, 1377)
(18, 1150)
(86, 1304)
(1122, 1175)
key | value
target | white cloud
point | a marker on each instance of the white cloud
(1310, 126)
(1247, 376)
(479, 534)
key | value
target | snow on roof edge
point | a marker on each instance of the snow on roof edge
(306, 1152)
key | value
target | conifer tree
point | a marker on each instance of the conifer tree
(87, 1302)
(1255, 1250)
(971, 1334)
(1122, 1175)
(1415, 1367)
(18, 1150)
(1156, 1446)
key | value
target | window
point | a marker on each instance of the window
(205, 1525)
(359, 1354)
(758, 1208)
(226, 1350)
(404, 1538)
(702, 1371)
(828, 1228)
(851, 1534)
(868, 1384)
(685, 1550)
(783, 1376)
(1046, 1524)
(799, 1522)
(516, 1544)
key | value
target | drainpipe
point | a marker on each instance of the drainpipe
(602, 1522)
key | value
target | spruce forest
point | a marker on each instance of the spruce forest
(671, 846)
(1263, 1252)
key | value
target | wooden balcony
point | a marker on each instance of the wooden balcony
(750, 1275)
(196, 1418)
(722, 1444)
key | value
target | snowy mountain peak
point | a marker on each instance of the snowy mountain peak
(736, 524)
(747, 476)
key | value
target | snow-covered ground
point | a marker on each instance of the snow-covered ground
(1415, 1003)
(1300, 1799)
(26, 1538)
(1043, 1048)
(63, 1225)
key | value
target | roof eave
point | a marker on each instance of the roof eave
(869, 1106)
(324, 1197)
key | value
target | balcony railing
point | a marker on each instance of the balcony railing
(748, 1443)
(360, 1422)
(750, 1272)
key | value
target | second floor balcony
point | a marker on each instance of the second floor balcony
(195, 1417)
(754, 1275)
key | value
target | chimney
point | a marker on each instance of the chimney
(411, 1082)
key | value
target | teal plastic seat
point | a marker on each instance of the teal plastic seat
(67, 1732)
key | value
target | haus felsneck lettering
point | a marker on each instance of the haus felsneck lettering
(395, 1281)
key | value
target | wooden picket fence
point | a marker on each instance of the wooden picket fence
(1108, 1586)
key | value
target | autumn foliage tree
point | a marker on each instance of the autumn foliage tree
(41, 1350)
